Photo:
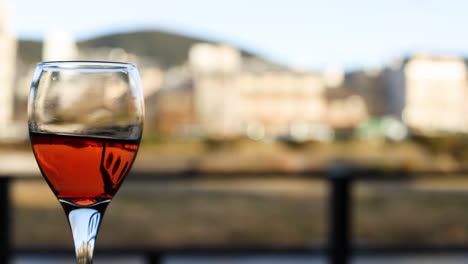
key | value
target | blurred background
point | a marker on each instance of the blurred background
(255, 86)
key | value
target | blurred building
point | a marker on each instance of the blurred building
(7, 64)
(216, 93)
(429, 93)
(282, 103)
(234, 96)
(370, 85)
(346, 108)
(7, 74)
(59, 46)
(170, 109)
(173, 111)
(223, 93)
(333, 76)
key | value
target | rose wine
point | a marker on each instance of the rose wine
(83, 170)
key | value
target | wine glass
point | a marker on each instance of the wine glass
(85, 123)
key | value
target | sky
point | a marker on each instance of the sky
(306, 34)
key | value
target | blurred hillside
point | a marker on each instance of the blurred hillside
(168, 49)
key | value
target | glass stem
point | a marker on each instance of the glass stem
(84, 223)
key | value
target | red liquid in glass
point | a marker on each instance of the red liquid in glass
(83, 170)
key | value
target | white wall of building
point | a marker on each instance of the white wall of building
(7, 66)
(436, 94)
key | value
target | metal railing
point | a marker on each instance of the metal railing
(5, 228)
(338, 249)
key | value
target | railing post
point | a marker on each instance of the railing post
(5, 228)
(340, 180)
(154, 258)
